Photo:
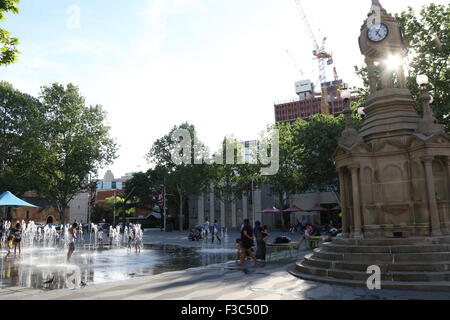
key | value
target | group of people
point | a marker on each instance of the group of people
(134, 238)
(214, 231)
(13, 238)
(246, 242)
(314, 229)
(199, 233)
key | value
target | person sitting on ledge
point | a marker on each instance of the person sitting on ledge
(191, 235)
(305, 236)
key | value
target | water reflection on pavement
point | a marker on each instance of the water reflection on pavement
(46, 268)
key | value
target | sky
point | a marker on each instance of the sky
(153, 64)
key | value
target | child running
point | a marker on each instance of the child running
(129, 243)
(100, 237)
(136, 240)
(9, 246)
(17, 238)
(72, 238)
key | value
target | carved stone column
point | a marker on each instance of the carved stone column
(386, 76)
(371, 72)
(233, 214)
(448, 178)
(401, 77)
(345, 231)
(222, 214)
(212, 207)
(201, 210)
(244, 208)
(431, 190)
(356, 203)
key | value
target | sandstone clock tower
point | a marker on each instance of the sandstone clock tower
(394, 179)
(394, 173)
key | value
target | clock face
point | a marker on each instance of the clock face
(378, 32)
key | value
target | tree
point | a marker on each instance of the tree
(118, 205)
(230, 178)
(76, 143)
(8, 50)
(144, 190)
(313, 145)
(20, 127)
(427, 40)
(286, 180)
(181, 179)
(317, 140)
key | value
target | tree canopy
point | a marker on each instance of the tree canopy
(51, 144)
(8, 49)
(20, 127)
(76, 143)
(427, 40)
(181, 179)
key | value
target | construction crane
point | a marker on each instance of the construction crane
(304, 88)
(296, 65)
(322, 56)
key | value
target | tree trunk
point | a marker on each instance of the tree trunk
(181, 212)
(62, 215)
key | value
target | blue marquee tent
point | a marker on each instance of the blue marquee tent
(7, 199)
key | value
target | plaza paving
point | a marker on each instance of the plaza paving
(216, 282)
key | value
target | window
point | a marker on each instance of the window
(28, 215)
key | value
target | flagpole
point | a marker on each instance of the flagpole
(253, 203)
(164, 206)
(89, 204)
(114, 214)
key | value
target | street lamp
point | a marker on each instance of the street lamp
(346, 95)
(422, 80)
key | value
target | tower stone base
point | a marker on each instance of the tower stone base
(394, 177)
(421, 263)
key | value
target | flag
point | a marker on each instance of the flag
(161, 196)
(250, 191)
(92, 197)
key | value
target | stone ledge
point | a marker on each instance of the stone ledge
(442, 286)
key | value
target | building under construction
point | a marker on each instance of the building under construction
(311, 104)
(328, 101)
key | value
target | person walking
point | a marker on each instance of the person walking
(215, 232)
(260, 244)
(247, 242)
(206, 227)
(72, 238)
